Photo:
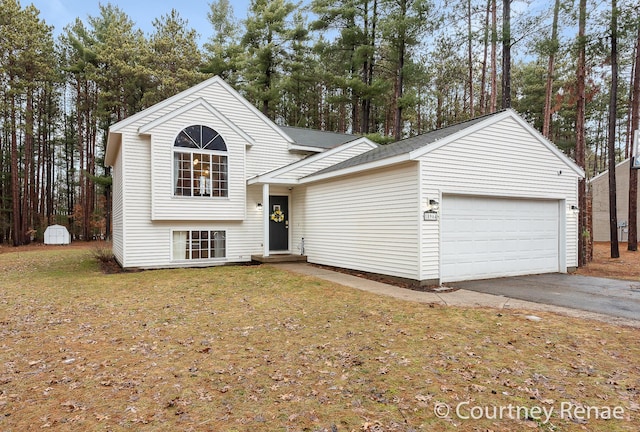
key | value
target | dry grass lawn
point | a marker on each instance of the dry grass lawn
(252, 348)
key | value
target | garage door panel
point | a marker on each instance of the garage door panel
(486, 237)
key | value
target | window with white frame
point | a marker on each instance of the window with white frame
(200, 163)
(199, 244)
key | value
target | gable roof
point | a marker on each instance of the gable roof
(605, 173)
(414, 147)
(404, 146)
(113, 140)
(271, 176)
(317, 140)
(200, 102)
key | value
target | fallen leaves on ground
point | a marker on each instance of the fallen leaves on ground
(252, 348)
(626, 267)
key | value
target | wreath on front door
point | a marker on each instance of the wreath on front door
(277, 216)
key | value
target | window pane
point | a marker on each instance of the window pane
(184, 140)
(182, 173)
(194, 132)
(217, 144)
(219, 245)
(180, 250)
(199, 244)
(202, 173)
(208, 135)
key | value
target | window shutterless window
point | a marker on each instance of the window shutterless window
(199, 244)
(200, 165)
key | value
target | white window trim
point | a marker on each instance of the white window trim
(196, 260)
(189, 151)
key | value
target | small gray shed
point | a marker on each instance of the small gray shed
(56, 235)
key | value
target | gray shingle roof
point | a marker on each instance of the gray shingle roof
(404, 146)
(318, 139)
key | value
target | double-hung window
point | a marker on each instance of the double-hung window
(200, 165)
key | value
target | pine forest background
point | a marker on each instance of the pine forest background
(387, 69)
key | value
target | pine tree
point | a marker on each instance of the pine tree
(553, 46)
(580, 132)
(405, 22)
(266, 39)
(223, 51)
(632, 245)
(26, 48)
(174, 59)
(613, 103)
(352, 55)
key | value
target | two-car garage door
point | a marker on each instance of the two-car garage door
(485, 237)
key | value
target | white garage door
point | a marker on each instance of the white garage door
(493, 237)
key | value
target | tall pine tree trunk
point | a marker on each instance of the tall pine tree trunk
(470, 58)
(506, 54)
(398, 96)
(483, 79)
(494, 61)
(28, 201)
(15, 182)
(402, 38)
(633, 175)
(546, 124)
(580, 132)
(613, 108)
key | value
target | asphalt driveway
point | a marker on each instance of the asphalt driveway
(606, 296)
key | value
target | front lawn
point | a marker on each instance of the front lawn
(253, 348)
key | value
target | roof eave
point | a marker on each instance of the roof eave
(298, 147)
(114, 141)
(404, 157)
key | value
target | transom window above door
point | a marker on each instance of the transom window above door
(200, 167)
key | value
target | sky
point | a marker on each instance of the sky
(59, 13)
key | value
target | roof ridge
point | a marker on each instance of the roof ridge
(319, 130)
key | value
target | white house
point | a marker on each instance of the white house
(204, 178)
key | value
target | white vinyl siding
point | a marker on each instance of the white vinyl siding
(147, 243)
(165, 204)
(367, 222)
(270, 151)
(297, 223)
(500, 160)
(117, 227)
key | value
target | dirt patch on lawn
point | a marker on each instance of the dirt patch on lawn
(41, 247)
(626, 267)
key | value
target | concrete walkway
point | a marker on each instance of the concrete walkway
(461, 297)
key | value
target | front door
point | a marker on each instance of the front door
(278, 223)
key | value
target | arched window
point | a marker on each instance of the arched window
(200, 163)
